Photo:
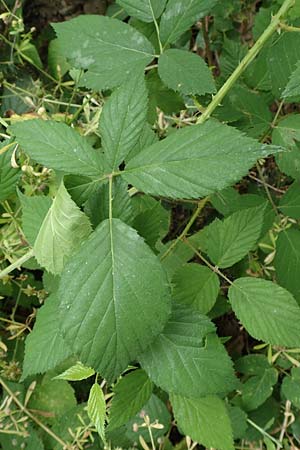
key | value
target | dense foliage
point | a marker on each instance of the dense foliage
(150, 240)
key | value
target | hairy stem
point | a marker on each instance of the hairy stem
(251, 55)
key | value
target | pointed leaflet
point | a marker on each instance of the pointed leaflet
(197, 286)
(34, 211)
(111, 306)
(172, 68)
(145, 10)
(192, 360)
(8, 175)
(96, 409)
(228, 241)
(58, 146)
(287, 134)
(123, 119)
(61, 233)
(130, 394)
(205, 420)
(267, 311)
(108, 48)
(257, 389)
(287, 261)
(292, 89)
(180, 15)
(45, 346)
(76, 373)
(195, 161)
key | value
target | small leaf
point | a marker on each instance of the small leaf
(287, 134)
(205, 420)
(268, 312)
(76, 373)
(228, 241)
(290, 387)
(123, 119)
(45, 347)
(9, 176)
(130, 394)
(172, 66)
(107, 49)
(61, 233)
(257, 389)
(96, 409)
(58, 147)
(145, 10)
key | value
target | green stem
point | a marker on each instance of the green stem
(187, 228)
(285, 27)
(251, 55)
(16, 264)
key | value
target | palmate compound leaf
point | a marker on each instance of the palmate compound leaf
(195, 161)
(145, 10)
(114, 298)
(180, 15)
(131, 393)
(64, 228)
(107, 48)
(192, 361)
(58, 146)
(205, 420)
(45, 346)
(123, 119)
(267, 311)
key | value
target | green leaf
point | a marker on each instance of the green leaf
(9, 176)
(45, 347)
(111, 307)
(292, 89)
(197, 286)
(130, 394)
(287, 134)
(108, 49)
(282, 59)
(287, 261)
(228, 241)
(188, 336)
(290, 387)
(238, 419)
(205, 420)
(34, 211)
(52, 396)
(81, 188)
(145, 10)
(61, 233)
(267, 311)
(58, 146)
(257, 389)
(146, 138)
(172, 68)
(76, 373)
(194, 161)
(96, 409)
(123, 119)
(57, 64)
(289, 203)
(180, 15)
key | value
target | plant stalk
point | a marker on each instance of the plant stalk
(16, 264)
(251, 55)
